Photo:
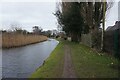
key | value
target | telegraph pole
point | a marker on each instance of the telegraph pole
(103, 25)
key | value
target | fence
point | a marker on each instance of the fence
(86, 39)
(111, 41)
(90, 40)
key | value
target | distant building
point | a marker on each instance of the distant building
(54, 32)
(115, 27)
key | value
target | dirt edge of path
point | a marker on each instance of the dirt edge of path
(68, 70)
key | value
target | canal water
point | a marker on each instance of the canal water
(23, 61)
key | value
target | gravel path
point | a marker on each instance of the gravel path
(68, 70)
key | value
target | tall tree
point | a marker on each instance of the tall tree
(37, 30)
(92, 12)
(71, 20)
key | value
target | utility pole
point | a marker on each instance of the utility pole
(103, 25)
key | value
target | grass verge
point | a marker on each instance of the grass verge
(53, 66)
(89, 64)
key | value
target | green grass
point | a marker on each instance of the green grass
(53, 66)
(88, 64)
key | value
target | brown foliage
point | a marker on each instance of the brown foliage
(16, 40)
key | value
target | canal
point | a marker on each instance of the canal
(23, 61)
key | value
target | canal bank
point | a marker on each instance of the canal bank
(86, 63)
(53, 65)
(21, 62)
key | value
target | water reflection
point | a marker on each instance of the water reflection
(21, 62)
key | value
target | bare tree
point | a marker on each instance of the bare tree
(15, 27)
(37, 30)
(93, 14)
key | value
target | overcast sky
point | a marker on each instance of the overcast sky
(28, 14)
(112, 15)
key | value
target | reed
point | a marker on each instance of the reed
(16, 40)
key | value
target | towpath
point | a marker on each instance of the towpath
(68, 70)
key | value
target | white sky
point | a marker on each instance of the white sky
(28, 13)
(112, 15)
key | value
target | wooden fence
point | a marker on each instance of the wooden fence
(111, 41)
(86, 39)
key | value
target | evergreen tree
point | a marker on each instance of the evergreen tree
(71, 20)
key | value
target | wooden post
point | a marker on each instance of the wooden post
(103, 25)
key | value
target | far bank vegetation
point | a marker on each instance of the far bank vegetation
(18, 37)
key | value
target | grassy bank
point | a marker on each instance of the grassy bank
(16, 40)
(90, 64)
(87, 63)
(53, 66)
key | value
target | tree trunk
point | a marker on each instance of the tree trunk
(74, 37)
(103, 27)
(95, 38)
